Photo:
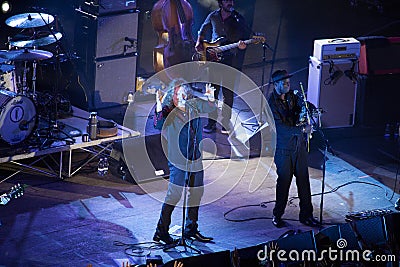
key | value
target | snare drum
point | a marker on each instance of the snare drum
(8, 78)
(17, 117)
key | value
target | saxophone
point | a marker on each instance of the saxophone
(305, 118)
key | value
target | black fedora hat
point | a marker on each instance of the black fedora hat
(280, 75)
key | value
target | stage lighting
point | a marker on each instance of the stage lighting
(5, 7)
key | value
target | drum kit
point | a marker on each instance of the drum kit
(18, 98)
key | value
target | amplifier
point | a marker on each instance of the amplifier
(338, 48)
(106, 37)
(379, 55)
(331, 89)
(101, 7)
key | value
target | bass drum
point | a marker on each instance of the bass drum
(17, 117)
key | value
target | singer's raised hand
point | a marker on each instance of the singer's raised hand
(159, 96)
(210, 92)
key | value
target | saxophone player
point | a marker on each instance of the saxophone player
(291, 158)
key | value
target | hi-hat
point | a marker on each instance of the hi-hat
(29, 20)
(49, 39)
(25, 55)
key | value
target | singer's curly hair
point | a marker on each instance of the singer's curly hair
(169, 93)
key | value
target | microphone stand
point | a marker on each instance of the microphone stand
(311, 122)
(259, 123)
(326, 148)
(182, 241)
(256, 126)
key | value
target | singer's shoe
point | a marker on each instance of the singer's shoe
(310, 222)
(225, 130)
(278, 222)
(166, 238)
(195, 234)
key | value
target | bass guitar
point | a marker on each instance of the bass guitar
(15, 192)
(212, 50)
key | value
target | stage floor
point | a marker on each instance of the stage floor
(92, 219)
(98, 220)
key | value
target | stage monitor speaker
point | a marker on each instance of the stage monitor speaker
(370, 232)
(392, 223)
(144, 157)
(298, 241)
(216, 259)
(331, 89)
(329, 236)
(248, 256)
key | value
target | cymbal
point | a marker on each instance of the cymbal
(25, 55)
(29, 20)
(49, 39)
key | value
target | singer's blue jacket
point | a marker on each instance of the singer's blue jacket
(183, 132)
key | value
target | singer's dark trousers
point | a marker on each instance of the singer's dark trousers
(174, 193)
(289, 163)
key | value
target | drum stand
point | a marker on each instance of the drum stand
(54, 129)
(52, 116)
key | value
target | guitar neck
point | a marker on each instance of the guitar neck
(223, 48)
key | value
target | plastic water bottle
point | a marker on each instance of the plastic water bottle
(101, 167)
(121, 171)
(106, 165)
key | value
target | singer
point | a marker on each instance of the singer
(291, 152)
(225, 22)
(177, 115)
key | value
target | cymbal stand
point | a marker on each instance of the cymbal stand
(54, 131)
(24, 84)
(34, 65)
(53, 116)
